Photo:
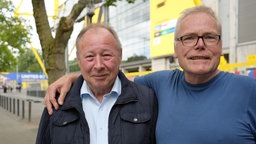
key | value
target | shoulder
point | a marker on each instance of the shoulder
(145, 96)
(141, 91)
(141, 88)
(163, 74)
(238, 83)
(240, 79)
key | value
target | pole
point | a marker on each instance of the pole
(90, 15)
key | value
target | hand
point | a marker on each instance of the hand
(61, 86)
(131, 78)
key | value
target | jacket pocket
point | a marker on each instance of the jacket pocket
(62, 118)
(135, 128)
(66, 128)
(135, 117)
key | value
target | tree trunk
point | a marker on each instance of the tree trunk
(54, 48)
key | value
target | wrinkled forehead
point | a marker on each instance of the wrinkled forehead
(196, 21)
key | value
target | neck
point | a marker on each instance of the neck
(99, 93)
(200, 78)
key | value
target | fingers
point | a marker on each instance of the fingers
(49, 108)
(61, 98)
(48, 104)
(52, 97)
(65, 84)
(50, 100)
(61, 86)
(63, 92)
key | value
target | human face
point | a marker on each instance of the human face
(199, 62)
(99, 59)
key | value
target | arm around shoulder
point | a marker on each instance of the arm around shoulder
(61, 86)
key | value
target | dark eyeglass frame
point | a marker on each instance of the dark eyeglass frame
(204, 37)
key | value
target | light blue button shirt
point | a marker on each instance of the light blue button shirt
(96, 113)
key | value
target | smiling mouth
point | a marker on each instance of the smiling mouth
(199, 58)
(100, 76)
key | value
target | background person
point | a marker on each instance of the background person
(102, 106)
(201, 104)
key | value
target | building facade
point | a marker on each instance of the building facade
(137, 26)
(132, 23)
(238, 33)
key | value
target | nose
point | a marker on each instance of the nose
(98, 63)
(200, 43)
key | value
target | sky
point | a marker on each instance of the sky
(26, 7)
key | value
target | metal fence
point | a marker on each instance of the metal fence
(23, 106)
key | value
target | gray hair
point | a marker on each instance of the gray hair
(95, 26)
(193, 10)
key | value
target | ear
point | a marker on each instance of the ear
(77, 55)
(222, 54)
(175, 55)
(121, 54)
(78, 59)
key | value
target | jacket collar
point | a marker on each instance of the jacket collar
(129, 92)
(73, 100)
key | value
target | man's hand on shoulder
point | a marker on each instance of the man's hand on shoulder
(61, 86)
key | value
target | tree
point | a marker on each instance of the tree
(136, 58)
(27, 62)
(53, 47)
(13, 36)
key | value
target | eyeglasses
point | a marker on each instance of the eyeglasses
(192, 40)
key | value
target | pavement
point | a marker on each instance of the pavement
(18, 129)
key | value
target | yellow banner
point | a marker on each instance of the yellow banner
(163, 17)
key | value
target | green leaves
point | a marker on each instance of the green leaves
(27, 62)
(112, 2)
(13, 35)
(7, 60)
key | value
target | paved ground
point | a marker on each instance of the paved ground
(17, 130)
